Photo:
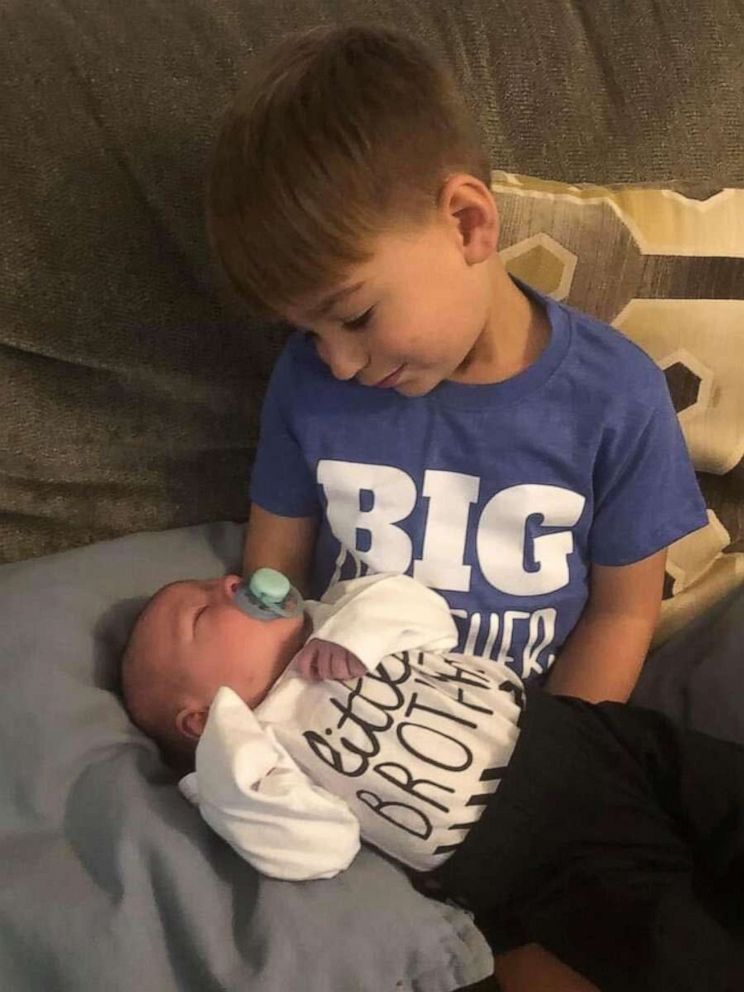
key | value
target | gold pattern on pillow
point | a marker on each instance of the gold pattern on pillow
(666, 267)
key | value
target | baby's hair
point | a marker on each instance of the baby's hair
(339, 135)
(151, 695)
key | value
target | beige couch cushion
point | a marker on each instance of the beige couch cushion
(665, 265)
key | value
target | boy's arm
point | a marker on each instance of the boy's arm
(283, 543)
(603, 656)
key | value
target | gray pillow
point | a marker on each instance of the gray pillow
(697, 676)
(108, 878)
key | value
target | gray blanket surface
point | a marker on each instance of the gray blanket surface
(109, 880)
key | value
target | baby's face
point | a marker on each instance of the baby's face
(193, 629)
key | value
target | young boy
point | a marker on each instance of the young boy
(622, 854)
(437, 418)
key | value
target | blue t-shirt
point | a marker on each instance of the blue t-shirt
(498, 496)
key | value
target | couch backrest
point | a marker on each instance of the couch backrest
(130, 392)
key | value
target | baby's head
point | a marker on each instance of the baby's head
(349, 159)
(189, 640)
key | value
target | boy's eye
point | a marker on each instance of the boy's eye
(361, 321)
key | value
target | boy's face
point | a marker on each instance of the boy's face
(415, 316)
(192, 629)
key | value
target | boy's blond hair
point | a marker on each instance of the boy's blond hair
(338, 135)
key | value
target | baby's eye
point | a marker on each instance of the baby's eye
(358, 322)
(197, 613)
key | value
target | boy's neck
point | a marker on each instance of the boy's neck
(516, 333)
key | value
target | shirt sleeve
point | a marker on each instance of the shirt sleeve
(281, 481)
(380, 614)
(251, 792)
(646, 492)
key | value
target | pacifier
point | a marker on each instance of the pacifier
(268, 595)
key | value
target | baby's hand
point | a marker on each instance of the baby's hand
(326, 660)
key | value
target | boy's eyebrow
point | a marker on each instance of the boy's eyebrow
(330, 301)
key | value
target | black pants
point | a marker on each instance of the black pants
(616, 841)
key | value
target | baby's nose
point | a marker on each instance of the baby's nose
(227, 586)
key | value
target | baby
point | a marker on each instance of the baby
(622, 852)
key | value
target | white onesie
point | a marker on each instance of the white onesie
(407, 755)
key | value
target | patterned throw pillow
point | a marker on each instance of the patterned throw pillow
(666, 267)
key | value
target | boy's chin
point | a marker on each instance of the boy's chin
(414, 387)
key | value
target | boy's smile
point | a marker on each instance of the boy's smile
(433, 303)
(391, 380)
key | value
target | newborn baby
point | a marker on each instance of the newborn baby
(600, 831)
(425, 733)
(191, 639)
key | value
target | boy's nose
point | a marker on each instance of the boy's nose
(345, 359)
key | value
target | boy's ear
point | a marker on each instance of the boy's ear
(190, 723)
(469, 205)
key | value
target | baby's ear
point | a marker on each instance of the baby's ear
(190, 723)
